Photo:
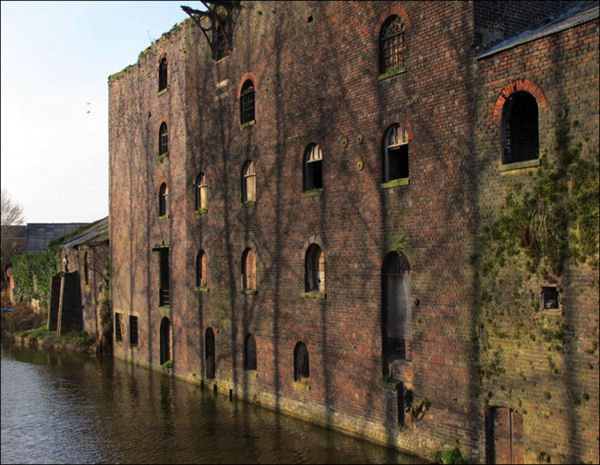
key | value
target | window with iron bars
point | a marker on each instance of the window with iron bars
(247, 102)
(391, 45)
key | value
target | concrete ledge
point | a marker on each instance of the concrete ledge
(249, 291)
(248, 203)
(395, 183)
(312, 193)
(248, 124)
(391, 73)
(520, 165)
(163, 91)
(200, 212)
(314, 295)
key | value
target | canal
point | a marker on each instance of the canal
(70, 408)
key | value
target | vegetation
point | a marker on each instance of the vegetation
(11, 215)
(451, 455)
(80, 338)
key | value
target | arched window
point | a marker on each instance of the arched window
(314, 265)
(301, 368)
(247, 102)
(313, 168)
(396, 314)
(201, 192)
(248, 182)
(209, 353)
(165, 340)
(163, 194)
(162, 75)
(520, 135)
(163, 139)
(395, 153)
(201, 269)
(249, 269)
(85, 268)
(391, 45)
(249, 353)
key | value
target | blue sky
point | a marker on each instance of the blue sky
(56, 59)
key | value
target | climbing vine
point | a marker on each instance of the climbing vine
(545, 225)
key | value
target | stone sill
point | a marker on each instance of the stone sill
(248, 203)
(248, 124)
(163, 91)
(164, 310)
(303, 385)
(251, 373)
(314, 295)
(202, 289)
(395, 183)
(248, 291)
(312, 193)
(519, 165)
(162, 156)
(391, 73)
(164, 217)
(200, 212)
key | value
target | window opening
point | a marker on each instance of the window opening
(209, 345)
(520, 134)
(165, 340)
(313, 168)
(550, 297)
(395, 153)
(301, 367)
(85, 268)
(163, 194)
(221, 45)
(162, 75)
(163, 139)
(314, 269)
(200, 269)
(249, 269)
(201, 192)
(249, 182)
(118, 334)
(164, 297)
(133, 330)
(396, 309)
(391, 45)
(250, 353)
(247, 102)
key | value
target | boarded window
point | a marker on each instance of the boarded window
(163, 139)
(248, 182)
(162, 75)
(313, 168)
(249, 269)
(391, 45)
(133, 330)
(314, 263)
(504, 436)
(520, 137)
(395, 153)
(163, 194)
(201, 269)
(118, 333)
(301, 367)
(209, 351)
(250, 353)
(396, 315)
(201, 192)
(247, 102)
(163, 263)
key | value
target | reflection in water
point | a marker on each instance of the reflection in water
(67, 408)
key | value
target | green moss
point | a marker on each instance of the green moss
(389, 74)
(450, 455)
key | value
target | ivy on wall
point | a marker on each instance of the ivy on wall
(545, 226)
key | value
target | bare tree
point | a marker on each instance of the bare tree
(11, 217)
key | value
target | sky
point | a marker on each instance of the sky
(56, 58)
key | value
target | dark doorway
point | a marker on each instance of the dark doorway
(209, 349)
(165, 340)
(301, 367)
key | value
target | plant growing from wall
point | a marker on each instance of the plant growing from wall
(545, 226)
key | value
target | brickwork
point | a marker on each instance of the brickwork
(315, 69)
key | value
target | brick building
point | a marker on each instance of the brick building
(302, 215)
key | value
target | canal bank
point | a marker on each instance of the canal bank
(65, 407)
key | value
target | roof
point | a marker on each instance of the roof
(39, 234)
(581, 13)
(96, 232)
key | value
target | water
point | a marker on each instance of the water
(69, 408)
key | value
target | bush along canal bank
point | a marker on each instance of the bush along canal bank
(44, 339)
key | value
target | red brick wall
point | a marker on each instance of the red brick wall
(316, 82)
